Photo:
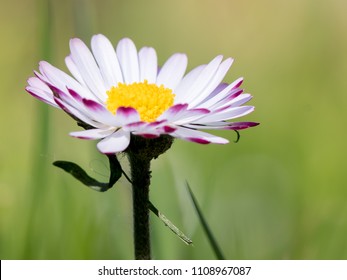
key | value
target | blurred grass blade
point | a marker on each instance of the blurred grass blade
(165, 220)
(39, 172)
(77, 172)
(208, 232)
(168, 223)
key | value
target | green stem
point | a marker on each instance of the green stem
(140, 153)
(140, 177)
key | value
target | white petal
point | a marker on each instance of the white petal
(55, 76)
(148, 65)
(68, 99)
(62, 81)
(128, 59)
(37, 83)
(100, 113)
(148, 130)
(87, 67)
(116, 142)
(190, 116)
(197, 136)
(223, 125)
(213, 83)
(174, 112)
(227, 91)
(93, 109)
(172, 71)
(227, 114)
(37, 93)
(202, 81)
(135, 126)
(148, 134)
(182, 88)
(73, 70)
(106, 58)
(217, 90)
(92, 133)
(77, 113)
(40, 90)
(235, 102)
(241, 99)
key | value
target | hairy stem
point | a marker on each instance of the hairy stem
(140, 177)
(140, 153)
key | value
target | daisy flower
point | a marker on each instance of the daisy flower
(117, 92)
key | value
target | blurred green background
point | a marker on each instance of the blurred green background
(280, 193)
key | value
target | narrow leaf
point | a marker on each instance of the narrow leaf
(77, 172)
(115, 170)
(169, 224)
(208, 232)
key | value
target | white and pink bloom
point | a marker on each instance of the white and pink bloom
(114, 93)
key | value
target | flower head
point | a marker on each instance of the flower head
(114, 93)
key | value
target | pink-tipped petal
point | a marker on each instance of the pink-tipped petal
(167, 129)
(155, 124)
(174, 112)
(39, 94)
(234, 100)
(198, 136)
(127, 115)
(217, 90)
(135, 126)
(54, 76)
(148, 135)
(226, 93)
(237, 83)
(190, 116)
(227, 114)
(240, 100)
(223, 125)
(76, 114)
(242, 125)
(75, 95)
(40, 90)
(100, 113)
(61, 104)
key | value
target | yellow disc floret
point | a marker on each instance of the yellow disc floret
(149, 100)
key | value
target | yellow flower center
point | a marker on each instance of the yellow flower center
(149, 100)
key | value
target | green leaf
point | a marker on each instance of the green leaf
(169, 224)
(208, 232)
(116, 170)
(82, 176)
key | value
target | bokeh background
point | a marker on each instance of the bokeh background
(280, 193)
